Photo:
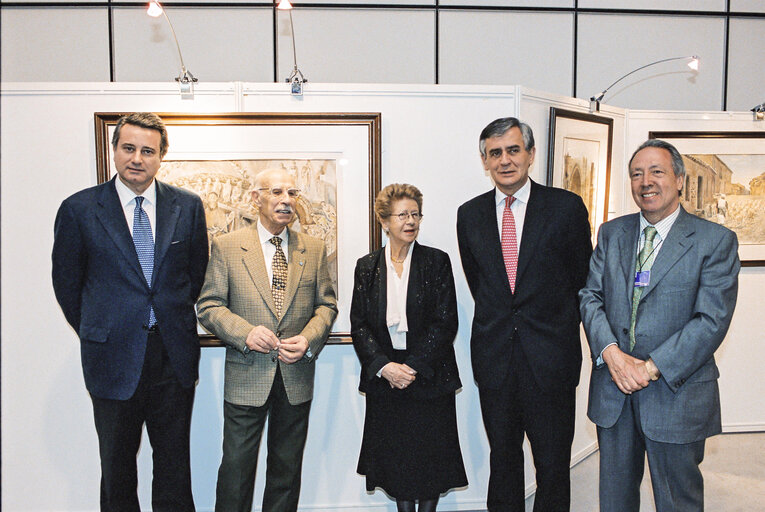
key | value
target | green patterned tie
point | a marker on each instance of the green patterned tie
(279, 282)
(644, 262)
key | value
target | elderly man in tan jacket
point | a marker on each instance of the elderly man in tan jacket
(273, 308)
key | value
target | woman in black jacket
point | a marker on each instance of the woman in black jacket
(403, 324)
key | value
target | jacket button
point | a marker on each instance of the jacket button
(278, 334)
(625, 331)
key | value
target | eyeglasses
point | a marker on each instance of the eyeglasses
(293, 193)
(404, 216)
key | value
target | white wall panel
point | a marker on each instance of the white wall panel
(510, 3)
(747, 6)
(494, 47)
(354, 45)
(667, 5)
(746, 74)
(369, 2)
(223, 44)
(613, 45)
(54, 44)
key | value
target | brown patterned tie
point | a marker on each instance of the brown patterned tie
(279, 268)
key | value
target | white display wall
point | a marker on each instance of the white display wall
(429, 138)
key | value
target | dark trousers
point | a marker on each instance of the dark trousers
(165, 407)
(242, 430)
(675, 476)
(547, 418)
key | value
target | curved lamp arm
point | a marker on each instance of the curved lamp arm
(154, 10)
(595, 100)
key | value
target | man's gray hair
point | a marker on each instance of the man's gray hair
(499, 127)
(678, 167)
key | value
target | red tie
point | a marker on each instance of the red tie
(509, 242)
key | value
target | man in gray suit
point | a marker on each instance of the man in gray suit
(273, 309)
(658, 301)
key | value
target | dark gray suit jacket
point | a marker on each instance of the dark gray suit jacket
(682, 318)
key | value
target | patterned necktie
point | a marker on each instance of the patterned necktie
(644, 262)
(509, 242)
(144, 246)
(279, 268)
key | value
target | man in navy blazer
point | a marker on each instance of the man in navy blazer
(654, 317)
(135, 317)
(525, 344)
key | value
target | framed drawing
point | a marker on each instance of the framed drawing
(725, 183)
(334, 157)
(579, 159)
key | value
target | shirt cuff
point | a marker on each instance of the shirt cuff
(599, 361)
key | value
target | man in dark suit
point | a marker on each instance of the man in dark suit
(129, 258)
(269, 297)
(658, 302)
(524, 249)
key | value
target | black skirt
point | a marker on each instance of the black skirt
(410, 447)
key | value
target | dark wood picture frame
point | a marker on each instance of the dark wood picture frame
(754, 254)
(372, 122)
(596, 194)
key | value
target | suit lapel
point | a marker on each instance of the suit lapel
(534, 223)
(414, 284)
(255, 264)
(627, 248)
(112, 217)
(487, 230)
(679, 241)
(168, 213)
(297, 262)
(382, 295)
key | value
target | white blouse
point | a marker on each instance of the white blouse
(395, 314)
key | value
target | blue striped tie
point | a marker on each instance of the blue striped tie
(144, 246)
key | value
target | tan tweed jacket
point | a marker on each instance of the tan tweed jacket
(236, 297)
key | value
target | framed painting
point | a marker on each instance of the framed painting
(725, 183)
(334, 157)
(579, 159)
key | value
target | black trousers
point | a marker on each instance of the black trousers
(165, 407)
(242, 430)
(547, 418)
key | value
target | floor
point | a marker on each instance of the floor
(734, 477)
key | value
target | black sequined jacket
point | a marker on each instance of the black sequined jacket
(431, 310)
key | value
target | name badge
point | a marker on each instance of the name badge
(642, 278)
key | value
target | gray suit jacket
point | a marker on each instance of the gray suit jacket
(683, 316)
(236, 297)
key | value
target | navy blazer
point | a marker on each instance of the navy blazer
(431, 311)
(101, 288)
(542, 316)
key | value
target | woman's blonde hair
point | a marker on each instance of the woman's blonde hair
(392, 193)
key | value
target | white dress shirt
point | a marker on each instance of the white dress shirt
(518, 208)
(269, 249)
(127, 201)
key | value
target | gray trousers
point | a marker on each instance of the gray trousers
(675, 476)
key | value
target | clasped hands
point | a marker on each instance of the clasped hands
(399, 376)
(629, 373)
(289, 350)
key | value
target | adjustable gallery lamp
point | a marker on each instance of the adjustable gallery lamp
(759, 112)
(595, 100)
(296, 78)
(185, 79)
